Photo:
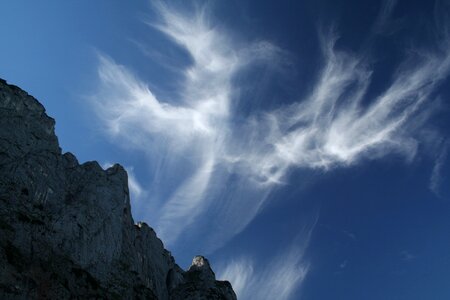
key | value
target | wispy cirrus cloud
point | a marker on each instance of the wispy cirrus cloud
(197, 126)
(138, 194)
(436, 173)
(213, 172)
(278, 278)
(383, 24)
(332, 127)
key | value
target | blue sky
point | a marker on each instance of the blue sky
(301, 145)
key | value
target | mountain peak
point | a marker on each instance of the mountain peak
(66, 228)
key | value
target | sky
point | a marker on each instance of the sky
(302, 146)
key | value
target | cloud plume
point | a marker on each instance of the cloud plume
(206, 164)
(436, 176)
(279, 278)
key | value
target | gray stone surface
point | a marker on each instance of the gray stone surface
(66, 230)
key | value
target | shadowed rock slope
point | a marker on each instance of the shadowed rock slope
(66, 230)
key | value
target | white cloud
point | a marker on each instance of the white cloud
(383, 22)
(191, 134)
(206, 165)
(136, 190)
(436, 174)
(278, 279)
(240, 272)
(332, 128)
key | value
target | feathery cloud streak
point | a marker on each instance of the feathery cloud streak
(277, 279)
(225, 171)
(436, 176)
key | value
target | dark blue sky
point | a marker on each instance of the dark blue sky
(301, 145)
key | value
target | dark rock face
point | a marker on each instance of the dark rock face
(200, 283)
(66, 230)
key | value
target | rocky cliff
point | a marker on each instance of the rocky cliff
(66, 230)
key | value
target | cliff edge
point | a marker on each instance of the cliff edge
(66, 230)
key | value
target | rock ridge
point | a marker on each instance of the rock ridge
(66, 229)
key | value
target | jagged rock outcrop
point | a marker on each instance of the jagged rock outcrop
(200, 283)
(66, 230)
